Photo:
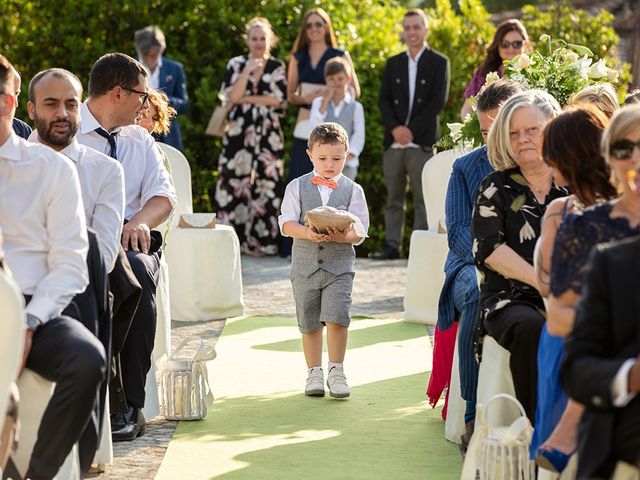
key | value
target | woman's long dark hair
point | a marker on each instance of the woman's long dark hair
(572, 145)
(302, 41)
(493, 61)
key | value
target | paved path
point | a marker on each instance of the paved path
(378, 292)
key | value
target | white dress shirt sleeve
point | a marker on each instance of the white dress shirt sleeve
(157, 181)
(291, 210)
(315, 116)
(108, 213)
(358, 207)
(68, 246)
(620, 395)
(356, 142)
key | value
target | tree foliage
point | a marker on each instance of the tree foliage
(204, 34)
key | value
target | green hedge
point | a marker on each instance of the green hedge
(204, 34)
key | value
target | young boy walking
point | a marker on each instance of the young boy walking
(337, 105)
(322, 265)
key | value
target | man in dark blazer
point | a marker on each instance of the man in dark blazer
(415, 86)
(165, 75)
(601, 369)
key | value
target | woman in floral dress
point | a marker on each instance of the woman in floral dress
(506, 225)
(250, 164)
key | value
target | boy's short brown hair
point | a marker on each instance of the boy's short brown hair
(328, 133)
(337, 65)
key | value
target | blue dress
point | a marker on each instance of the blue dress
(577, 235)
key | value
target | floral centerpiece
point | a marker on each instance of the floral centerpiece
(558, 67)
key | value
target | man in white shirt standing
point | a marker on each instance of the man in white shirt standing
(45, 240)
(55, 96)
(117, 93)
(414, 89)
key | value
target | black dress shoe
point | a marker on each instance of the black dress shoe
(128, 425)
(387, 253)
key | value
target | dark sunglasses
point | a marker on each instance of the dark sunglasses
(143, 95)
(311, 25)
(515, 44)
(623, 149)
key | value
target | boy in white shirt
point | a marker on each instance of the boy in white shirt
(337, 105)
(322, 266)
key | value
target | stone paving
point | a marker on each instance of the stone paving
(378, 292)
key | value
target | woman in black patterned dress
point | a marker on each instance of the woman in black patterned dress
(250, 164)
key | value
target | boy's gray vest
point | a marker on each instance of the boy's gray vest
(345, 119)
(308, 256)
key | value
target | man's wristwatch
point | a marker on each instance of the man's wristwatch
(33, 323)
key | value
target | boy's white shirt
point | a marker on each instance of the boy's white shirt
(291, 207)
(356, 141)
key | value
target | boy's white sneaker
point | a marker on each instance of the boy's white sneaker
(337, 383)
(315, 383)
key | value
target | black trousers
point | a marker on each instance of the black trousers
(135, 357)
(517, 328)
(65, 352)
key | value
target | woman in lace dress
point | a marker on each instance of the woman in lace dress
(250, 164)
(577, 235)
(572, 148)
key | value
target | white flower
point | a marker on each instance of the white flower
(502, 303)
(572, 56)
(522, 61)
(598, 70)
(241, 163)
(235, 127)
(223, 197)
(489, 191)
(487, 212)
(275, 141)
(612, 75)
(455, 130)
(527, 232)
(492, 77)
(582, 66)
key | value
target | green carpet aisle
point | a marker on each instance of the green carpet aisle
(261, 426)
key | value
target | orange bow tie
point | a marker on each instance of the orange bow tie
(316, 180)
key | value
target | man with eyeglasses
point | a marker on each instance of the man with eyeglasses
(45, 240)
(117, 93)
(414, 89)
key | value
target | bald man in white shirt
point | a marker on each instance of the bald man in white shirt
(118, 89)
(45, 242)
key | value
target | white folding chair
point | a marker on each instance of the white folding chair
(12, 321)
(429, 248)
(204, 263)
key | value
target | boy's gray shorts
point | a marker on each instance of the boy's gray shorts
(322, 297)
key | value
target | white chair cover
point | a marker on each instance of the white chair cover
(206, 278)
(495, 377)
(428, 250)
(454, 424)
(35, 392)
(104, 454)
(12, 319)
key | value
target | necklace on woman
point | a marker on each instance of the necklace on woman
(536, 188)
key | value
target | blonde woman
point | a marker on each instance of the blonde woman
(506, 225)
(250, 164)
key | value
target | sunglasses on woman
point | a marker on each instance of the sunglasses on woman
(515, 44)
(623, 149)
(311, 25)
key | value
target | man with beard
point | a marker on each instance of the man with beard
(117, 94)
(45, 240)
(55, 96)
